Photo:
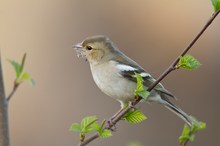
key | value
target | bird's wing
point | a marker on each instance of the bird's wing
(128, 70)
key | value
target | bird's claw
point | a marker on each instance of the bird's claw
(111, 124)
(131, 104)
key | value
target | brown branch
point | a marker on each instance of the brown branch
(173, 65)
(171, 68)
(184, 143)
(4, 129)
(13, 91)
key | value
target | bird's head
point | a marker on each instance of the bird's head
(95, 49)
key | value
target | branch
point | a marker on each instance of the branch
(4, 130)
(186, 141)
(13, 91)
(20, 75)
(171, 68)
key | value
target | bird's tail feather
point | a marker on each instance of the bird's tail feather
(188, 119)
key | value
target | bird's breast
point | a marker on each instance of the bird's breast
(108, 79)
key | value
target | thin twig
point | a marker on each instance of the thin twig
(184, 143)
(13, 91)
(108, 126)
(171, 68)
(173, 65)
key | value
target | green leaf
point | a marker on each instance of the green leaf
(144, 94)
(134, 116)
(16, 67)
(216, 4)
(188, 134)
(20, 75)
(196, 128)
(188, 62)
(76, 127)
(96, 127)
(140, 86)
(105, 133)
(202, 125)
(140, 91)
(26, 77)
(87, 124)
(99, 128)
(22, 63)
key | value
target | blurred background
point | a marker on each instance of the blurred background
(151, 32)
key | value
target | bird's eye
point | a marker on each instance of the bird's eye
(88, 47)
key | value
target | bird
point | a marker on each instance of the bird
(114, 74)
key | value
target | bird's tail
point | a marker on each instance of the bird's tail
(188, 119)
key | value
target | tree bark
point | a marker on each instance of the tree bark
(4, 128)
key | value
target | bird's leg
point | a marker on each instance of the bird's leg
(131, 104)
(110, 121)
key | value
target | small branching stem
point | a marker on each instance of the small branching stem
(13, 91)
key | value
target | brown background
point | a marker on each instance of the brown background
(151, 32)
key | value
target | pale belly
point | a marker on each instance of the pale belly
(113, 84)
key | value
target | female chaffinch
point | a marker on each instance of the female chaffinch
(113, 72)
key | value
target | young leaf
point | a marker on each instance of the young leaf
(26, 77)
(105, 133)
(87, 124)
(22, 63)
(144, 94)
(75, 127)
(139, 82)
(188, 62)
(188, 134)
(20, 75)
(140, 91)
(99, 128)
(202, 126)
(134, 116)
(16, 67)
(216, 4)
(96, 127)
(196, 128)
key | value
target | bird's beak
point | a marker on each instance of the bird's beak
(78, 46)
(79, 50)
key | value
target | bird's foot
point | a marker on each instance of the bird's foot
(131, 104)
(111, 124)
